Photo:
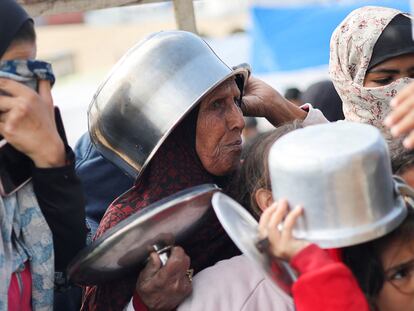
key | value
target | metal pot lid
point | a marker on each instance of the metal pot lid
(124, 248)
(242, 228)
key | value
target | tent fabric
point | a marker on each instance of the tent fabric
(295, 37)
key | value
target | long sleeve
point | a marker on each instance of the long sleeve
(61, 200)
(314, 116)
(325, 284)
(137, 303)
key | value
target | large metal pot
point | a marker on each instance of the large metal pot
(149, 92)
(341, 174)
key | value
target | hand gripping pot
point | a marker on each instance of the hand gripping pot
(149, 92)
(341, 174)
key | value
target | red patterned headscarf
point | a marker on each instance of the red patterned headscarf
(175, 167)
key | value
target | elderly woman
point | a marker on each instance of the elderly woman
(204, 146)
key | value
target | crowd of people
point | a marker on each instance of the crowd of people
(71, 198)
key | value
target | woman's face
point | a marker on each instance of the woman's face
(20, 50)
(397, 294)
(219, 126)
(390, 71)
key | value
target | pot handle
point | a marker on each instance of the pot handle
(402, 188)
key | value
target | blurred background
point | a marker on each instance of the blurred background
(286, 42)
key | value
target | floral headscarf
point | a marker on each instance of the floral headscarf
(351, 49)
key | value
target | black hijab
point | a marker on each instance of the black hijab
(12, 17)
(395, 40)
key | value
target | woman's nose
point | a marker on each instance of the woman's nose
(234, 118)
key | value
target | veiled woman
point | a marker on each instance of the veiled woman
(371, 61)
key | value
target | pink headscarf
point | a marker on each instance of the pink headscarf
(351, 48)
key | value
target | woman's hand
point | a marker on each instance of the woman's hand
(261, 100)
(282, 244)
(27, 122)
(401, 119)
(164, 288)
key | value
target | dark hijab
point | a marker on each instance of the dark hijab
(395, 40)
(12, 17)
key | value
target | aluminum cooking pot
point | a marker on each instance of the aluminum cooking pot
(149, 92)
(341, 174)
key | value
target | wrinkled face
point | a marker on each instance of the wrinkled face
(397, 294)
(390, 71)
(20, 50)
(219, 126)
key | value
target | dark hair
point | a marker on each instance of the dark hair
(250, 122)
(323, 96)
(401, 158)
(26, 33)
(292, 93)
(254, 173)
(364, 260)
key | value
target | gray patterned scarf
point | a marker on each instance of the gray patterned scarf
(25, 235)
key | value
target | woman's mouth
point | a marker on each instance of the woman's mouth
(237, 144)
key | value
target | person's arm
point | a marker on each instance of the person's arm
(28, 123)
(261, 100)
(324, 283)
(59, 193)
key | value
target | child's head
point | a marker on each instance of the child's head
(384, 268)
(254, 191)
(17, 34)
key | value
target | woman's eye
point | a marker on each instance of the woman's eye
(216, 104)
(383, 81)
(400, 274)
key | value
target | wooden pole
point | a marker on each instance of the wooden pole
(48, 7)
(184, 15)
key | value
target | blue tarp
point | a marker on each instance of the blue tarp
(296, 37)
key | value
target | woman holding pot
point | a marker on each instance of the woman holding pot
(174, 122)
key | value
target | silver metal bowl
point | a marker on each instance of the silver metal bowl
(341, 174)
(149, 92)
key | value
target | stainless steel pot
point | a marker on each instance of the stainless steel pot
(149, 92)
(341, 174)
